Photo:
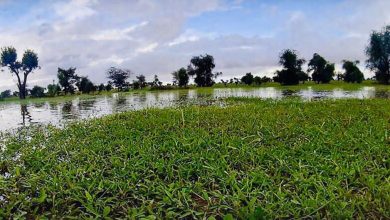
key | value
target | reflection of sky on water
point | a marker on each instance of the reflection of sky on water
(14, 115)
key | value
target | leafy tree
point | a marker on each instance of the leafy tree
(292, 68)
(257, 80)
(101, 87)
(247, 79)
(352, 72)
(5, 94)
(118, 77)
(85, 85)
(37, 92)
(265, 79)
(141, 81)
(378, 52)
(53, 89)
(201, 67)
(67, 79)
(21, 69)
(108, 87)
(156, 82)
(180, 77)
(323, 71)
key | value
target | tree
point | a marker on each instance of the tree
(101, 87)
(141, 81)
(156, 82)
(352, 72)
(21, 69)
(247, 79)
(53, 89)
(118, 77)
(292, 68)
(108, 87)
(67, 79)
(201, 67)
(180, 77)
(85, 85)
(378, 52)
(5, 94)
(257, 80)
(322, 70)
(37, 92)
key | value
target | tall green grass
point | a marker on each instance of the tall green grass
(253, 159)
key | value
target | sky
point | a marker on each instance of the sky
(157, 37)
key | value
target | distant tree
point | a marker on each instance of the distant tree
(21, 69)
(247, 79)
(322, 70)
(67, 78)
(108, 87)
(141, 79)
(37, 92)
(5, 94)
(180, 77)
(352, 72)
(339, 76)
(53, 89)
(257, 80)
(85, 85)
(265, 79)
(156, 82)
(118, 76)
(201, 67)
(224, 82)
(292, 68)
(378, 52)
(101, 87)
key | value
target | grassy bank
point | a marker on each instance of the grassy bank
(312, 85)
(271, 159)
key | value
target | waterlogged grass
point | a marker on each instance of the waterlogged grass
(253, 159)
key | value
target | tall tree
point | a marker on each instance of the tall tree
(322, 70)
(201, 67)
(180, 77)
(352, 72)
(378, 52)
(67, 78)
(118, 76)
(292, 68)
(21, 69)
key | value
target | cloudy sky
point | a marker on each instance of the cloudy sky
(158, 36)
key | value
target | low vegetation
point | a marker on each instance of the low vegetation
(253, 159)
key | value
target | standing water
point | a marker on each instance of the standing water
(14, 115)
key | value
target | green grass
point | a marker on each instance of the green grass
(253, 159)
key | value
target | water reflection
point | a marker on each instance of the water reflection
(58, 113)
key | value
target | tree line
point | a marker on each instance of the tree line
(201, 70)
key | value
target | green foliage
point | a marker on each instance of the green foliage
(292, 68)
(20, 69)
(5, 94)
(140, 82)
(378, 52)
(53, 89)
(252, 159)
(180, 77)
(37, 92)
(248, 79)
(202, 68)
(118, 77)
(67, 79)
(352, 72)
(323, 71)
(85, 85)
